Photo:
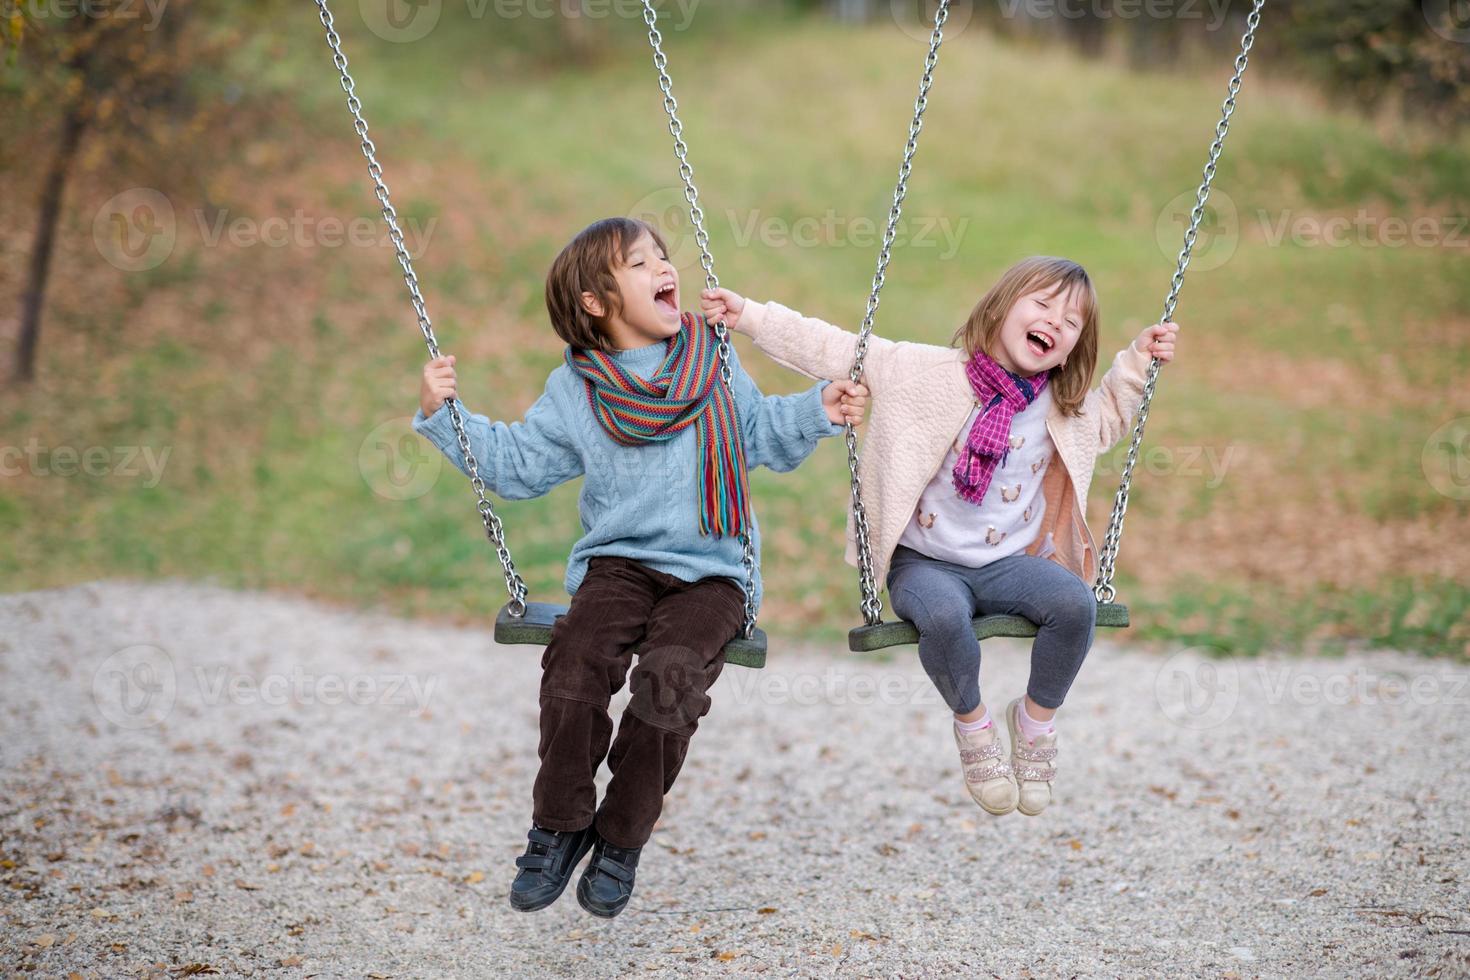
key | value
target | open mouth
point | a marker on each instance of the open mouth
(664, 298)
(1039, 343)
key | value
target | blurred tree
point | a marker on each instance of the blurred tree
(111, 70)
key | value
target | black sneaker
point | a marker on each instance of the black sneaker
(547, 866)
(607, 884)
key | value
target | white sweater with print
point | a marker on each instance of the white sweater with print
(1005, 522)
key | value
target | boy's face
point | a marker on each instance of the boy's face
(649, 288)
(1039, 332)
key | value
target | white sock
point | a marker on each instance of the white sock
(1029, 726)
(976, 725)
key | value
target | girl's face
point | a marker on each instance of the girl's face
(648, 285)
(1039, 332)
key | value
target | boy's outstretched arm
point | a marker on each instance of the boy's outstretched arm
(780, 431)
(517, 461)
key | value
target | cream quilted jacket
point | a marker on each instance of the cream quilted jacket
(921, 399)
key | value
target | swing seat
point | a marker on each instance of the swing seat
(534, 629)
(866, 639)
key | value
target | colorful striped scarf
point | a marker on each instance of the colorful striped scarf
(686, 390)
(1002, 394)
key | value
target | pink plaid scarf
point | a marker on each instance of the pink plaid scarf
(1002, 394)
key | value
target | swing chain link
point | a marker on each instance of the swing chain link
(872, 606)
(494, 530)
(1103, 590)
(707, 262)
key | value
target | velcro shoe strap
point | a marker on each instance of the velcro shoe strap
(1034, 755)
(613, 869)
(971, 756)
(534, 862)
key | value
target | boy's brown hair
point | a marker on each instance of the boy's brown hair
(586, 265)
(1059, 277)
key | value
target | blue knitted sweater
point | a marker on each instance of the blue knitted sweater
(637, 502)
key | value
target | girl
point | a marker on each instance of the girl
(638, 409)
(975, 478)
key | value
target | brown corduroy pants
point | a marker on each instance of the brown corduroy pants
(678, 631)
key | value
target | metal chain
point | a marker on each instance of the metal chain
(1103, 589)
(707, 262)
(494, 530)
(873, 606)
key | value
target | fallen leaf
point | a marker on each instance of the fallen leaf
(244, 885)
(726, 956)
(46, 940)
(1075, 844)
(475, 877)
(1315, 892)
(765, 911)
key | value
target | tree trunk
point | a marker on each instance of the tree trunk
(48, 216)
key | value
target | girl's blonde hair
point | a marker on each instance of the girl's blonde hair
(1068, 383)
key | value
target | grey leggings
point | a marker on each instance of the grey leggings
(941, 598)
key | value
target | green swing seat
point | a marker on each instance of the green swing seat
(534, 628)
(866, 639)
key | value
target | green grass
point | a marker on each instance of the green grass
(785, 120)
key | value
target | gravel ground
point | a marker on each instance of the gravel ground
(197, 780)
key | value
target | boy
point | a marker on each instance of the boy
(640, 410)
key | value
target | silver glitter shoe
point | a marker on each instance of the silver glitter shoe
(987, 774)
(1033, 763)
